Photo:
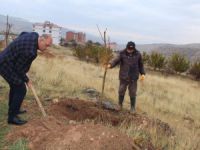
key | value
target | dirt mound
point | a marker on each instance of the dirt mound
(77, 124)
(80, 110)
(51, 134)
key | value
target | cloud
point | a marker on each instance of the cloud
(142, 20)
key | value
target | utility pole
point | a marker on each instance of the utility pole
(7, 32)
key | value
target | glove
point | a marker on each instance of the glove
(142, 77)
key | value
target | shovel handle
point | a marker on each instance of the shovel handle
(38, 101)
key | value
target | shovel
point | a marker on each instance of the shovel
(38, 101)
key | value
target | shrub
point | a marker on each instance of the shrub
(80, 52)
(178, 63)
(145, 58)
(195, 69)
(157, 60)
(93, 53)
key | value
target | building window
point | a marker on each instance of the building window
(43, 30)
(49, 31)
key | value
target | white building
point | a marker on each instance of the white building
(48, 28)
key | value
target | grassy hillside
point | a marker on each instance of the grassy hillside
(173, 100)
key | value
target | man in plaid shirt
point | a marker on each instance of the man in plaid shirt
(15, 61)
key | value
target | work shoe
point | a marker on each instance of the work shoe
(121, 99)
(16, 121)
(132, 110)
(133, 101)
(120, 102)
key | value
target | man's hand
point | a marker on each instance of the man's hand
(108, 66)
(142, 77)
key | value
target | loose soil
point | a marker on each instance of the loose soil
(75, 124)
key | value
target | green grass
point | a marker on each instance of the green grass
(4, 128)
(21, 144)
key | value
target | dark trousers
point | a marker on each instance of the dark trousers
(132, 87)
(16, 97)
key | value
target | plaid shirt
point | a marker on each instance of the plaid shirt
(16, 59)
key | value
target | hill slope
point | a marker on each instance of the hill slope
(169, 99)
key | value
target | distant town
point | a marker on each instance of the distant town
(54, 30)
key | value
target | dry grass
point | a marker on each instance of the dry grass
(173, 100)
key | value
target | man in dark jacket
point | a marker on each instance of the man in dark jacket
(131, 65)
(15, 61)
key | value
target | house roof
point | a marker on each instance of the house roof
(47, 24)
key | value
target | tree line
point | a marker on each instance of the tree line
(175, 64)
(93, 52)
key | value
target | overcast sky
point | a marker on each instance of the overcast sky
(142, 21)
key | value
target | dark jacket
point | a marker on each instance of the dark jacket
(16, 59)
(130, 65)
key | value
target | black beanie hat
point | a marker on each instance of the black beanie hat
(130, 45)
